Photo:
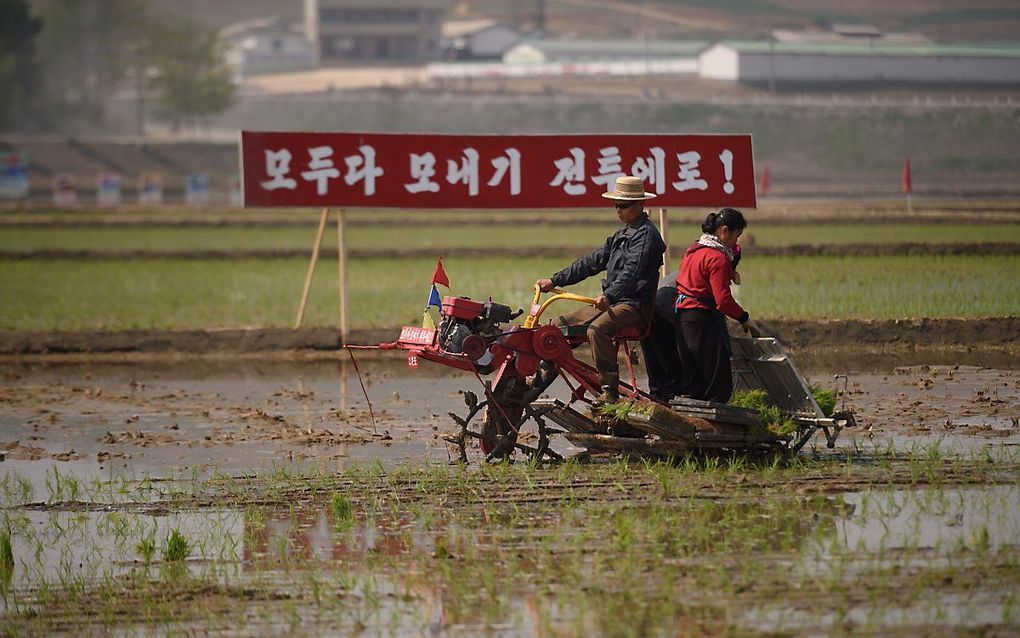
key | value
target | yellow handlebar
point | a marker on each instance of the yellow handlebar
(532, 319)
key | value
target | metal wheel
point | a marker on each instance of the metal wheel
(498, 440)
(498, 434)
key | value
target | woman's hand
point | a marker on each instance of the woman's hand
(602, 303)
(545, 285)
(752, 329)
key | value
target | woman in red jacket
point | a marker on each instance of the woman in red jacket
(703, 301)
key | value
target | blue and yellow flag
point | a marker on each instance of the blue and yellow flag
(426, 319)
(434, 300)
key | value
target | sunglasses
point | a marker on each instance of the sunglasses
(622, 205)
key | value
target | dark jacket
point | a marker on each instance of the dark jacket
(665, 298)
(631, 258)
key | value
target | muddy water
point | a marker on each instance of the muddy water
(836, 539)
(179, 416)
(826, 549)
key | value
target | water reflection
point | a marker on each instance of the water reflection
(546, 566)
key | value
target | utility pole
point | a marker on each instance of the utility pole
(942, 21)
(140, 97)
(772, 64)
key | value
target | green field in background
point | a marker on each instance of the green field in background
(475, 235)
(114, 295)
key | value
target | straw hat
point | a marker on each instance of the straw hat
(628, 187)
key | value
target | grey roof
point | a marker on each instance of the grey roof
(928, 50)
(460, 28)
(270, 24)
(619, 48)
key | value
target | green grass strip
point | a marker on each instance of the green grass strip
(116, 295)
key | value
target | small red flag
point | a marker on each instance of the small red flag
(907, 185)
(439, 276)
(766, 181)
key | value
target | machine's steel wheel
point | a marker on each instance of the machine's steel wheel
(498, 436)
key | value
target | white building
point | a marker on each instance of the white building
(597, 57)
(375, 31)
(572, 51)
(849, 34)
(771, 61)
(267, 45)
(476, 39)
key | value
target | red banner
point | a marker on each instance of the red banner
(373, 170)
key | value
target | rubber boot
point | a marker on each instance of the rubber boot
(610, 388)
(543, 378)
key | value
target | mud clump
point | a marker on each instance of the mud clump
(15, 451)
(137, 437)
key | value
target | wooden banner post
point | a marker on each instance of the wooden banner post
(341, 227)
(665, 240)
(311, 267)
(341, 246)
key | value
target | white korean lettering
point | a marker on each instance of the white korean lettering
(322, 168)
(609, 166)
(571, 173)
(423, 169)
(362, 168)
(652, 169)
(509, 163)
(689, 175)
(466, 172)
(726, 157)
(277, 167)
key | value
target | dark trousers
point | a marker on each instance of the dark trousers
(602, 327)
(702, 345)
(662, 360)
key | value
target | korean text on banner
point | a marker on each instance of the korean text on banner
(498, 171)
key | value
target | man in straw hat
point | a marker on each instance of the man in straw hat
(631, 258)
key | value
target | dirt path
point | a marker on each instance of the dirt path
(1001, 333)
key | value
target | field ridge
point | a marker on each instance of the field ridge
(796, 333)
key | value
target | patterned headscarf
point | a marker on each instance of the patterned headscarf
(711, 241)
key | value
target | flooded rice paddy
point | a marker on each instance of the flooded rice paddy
(254, 497)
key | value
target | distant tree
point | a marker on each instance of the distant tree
(87, 49)
(18, 69)
(187, 70)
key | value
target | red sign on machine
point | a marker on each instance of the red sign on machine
(375, 170)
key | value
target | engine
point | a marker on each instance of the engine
(468, 326)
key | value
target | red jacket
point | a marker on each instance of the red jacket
(704, 280)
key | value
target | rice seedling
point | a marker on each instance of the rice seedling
(343, 512)
(146, 547)
(826, 400)
(177, 547)
(772, 421)
(620, 410)
(6, 560)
